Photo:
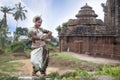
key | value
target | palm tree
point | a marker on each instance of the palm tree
(5, 10)
(3, 26)
(20, 13)
(3, 35)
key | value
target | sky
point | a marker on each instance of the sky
(53, 12)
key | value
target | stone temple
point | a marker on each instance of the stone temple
(88, 35)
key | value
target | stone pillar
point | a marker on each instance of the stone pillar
(117, 16)
(110, 19)
(63, 43)
(107, 17)
(60, 44)
(118, 1)
(105, 10)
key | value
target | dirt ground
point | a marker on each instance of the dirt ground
(95, 59)
(54, 65)
(27, 68)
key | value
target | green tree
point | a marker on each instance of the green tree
(6, 10)
(19, 13)
(64, 24)
(53, 39)
(0, 24)
(21, 31)
(3, 27)
(3, 35)
(59, 28)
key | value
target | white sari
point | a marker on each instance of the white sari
(36, 58)
(36, 54)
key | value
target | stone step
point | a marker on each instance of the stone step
(30, 78)
(26, 78)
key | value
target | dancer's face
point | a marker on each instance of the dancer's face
(38, 23)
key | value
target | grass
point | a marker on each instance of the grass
(67, 61)
(111, 71)
(64, 61)
(7, 66)
(82, 67)
(67, 56)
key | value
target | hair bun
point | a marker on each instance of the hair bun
(36, 18)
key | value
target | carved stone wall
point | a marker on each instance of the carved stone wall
(112, 16)
(94, 38)
(92, 45)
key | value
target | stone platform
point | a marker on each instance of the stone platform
(26, 78)
(30, 78)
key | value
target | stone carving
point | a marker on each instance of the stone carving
(88, 34)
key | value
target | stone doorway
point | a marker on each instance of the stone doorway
(79, 46)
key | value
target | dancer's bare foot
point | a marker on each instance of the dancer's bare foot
(34, 74)
(43, 74)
